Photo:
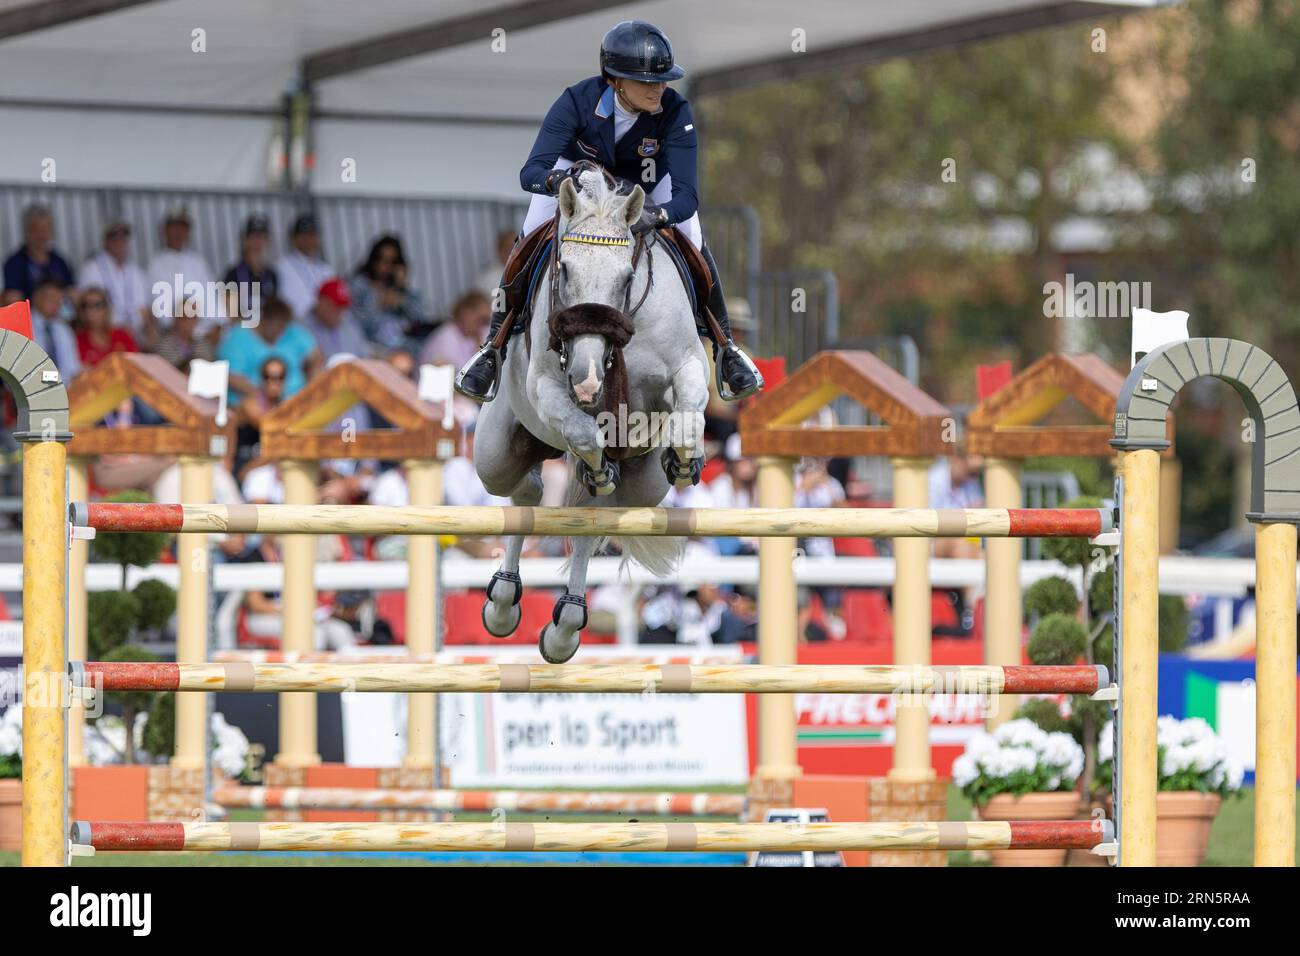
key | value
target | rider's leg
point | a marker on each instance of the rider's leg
(737, 376)
(479, 378)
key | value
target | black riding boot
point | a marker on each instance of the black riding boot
(482, 373)
(737, 376)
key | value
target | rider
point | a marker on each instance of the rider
(632, 124)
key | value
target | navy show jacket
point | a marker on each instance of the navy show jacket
(580, 125)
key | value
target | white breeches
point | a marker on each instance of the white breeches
(542, 208)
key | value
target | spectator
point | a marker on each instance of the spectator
(489, 279)
(734, 488)
(36, 260)
(175, 266)
(97, 337)
(249, 414)
(128, 291)
(816, 488)
(391, 314)
(455, 342)
(253, 275)
(181, 342)
(740, 619)
(51, 332)
(332, 325)
(300, 271)
(276, 334)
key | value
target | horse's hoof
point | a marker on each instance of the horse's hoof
(556, 651)
(599, 483)
(506, 622)
(681, 474)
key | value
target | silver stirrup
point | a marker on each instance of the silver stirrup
(724, 391)
(496, 379)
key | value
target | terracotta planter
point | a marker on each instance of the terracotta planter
(1062, 805)
(1183, 822)
(11, 813)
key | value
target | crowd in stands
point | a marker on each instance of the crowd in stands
(279, 321)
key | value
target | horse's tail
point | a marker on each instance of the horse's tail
(659, 554)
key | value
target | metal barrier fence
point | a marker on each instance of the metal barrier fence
(448, 242)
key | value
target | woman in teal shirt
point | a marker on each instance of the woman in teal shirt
(276, 334)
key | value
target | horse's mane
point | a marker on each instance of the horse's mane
(604, 201)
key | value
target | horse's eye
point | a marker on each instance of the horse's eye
(564, 358)
(609, 360)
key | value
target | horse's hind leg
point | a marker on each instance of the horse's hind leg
(501, 610)
(558, 641)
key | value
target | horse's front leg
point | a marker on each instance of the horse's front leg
(581, 434)
(501, 611)
(558, 640)
(683, 458)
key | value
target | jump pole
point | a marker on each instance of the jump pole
(192, 610)
(42, 428)
(291, 519)
(1275, 694)
(298, 608)
(911, 609)
(778, 642)
(591, 678)
(482, 801)
(592, 837)
(424, 486)
(78, 647)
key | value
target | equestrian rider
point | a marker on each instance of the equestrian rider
(628, 121)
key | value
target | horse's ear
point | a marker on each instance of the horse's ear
(568, 198)
(635, 203)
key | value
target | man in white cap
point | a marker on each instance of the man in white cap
(112, 270)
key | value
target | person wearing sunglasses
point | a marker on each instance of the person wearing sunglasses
(97, 337)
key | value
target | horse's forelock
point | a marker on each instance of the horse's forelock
(598, 202)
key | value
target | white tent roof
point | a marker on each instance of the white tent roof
(430, 61)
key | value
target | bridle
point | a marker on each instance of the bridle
(638, 243)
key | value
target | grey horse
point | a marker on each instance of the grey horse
(612, 358)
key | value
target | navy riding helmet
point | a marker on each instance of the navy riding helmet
(636, 50)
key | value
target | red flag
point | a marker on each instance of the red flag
(990, 378)
(17, 318)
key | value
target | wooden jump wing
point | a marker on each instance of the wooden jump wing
(914, 422)
(191, 422)
(1008, 424)
(296, 429)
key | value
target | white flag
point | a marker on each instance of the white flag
(437, 385)
(1154, 329)
(211, 380)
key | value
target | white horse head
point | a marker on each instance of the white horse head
(595, 270)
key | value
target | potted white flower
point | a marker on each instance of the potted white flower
(1022, 772)
(1196, 771)
(11, 773)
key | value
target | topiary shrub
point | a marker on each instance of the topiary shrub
(1054, 595)
(157, 603)
(1057, 639)
(110, 618)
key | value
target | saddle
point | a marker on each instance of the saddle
(527, 261)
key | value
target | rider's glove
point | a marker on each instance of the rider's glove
(652, 217)
(553, 180)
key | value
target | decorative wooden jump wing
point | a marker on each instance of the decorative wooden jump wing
(914, 422)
